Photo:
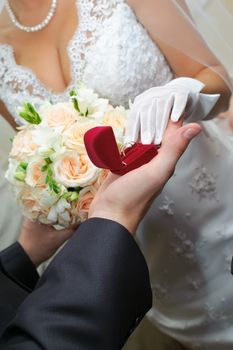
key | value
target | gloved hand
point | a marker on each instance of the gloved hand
(151, 110)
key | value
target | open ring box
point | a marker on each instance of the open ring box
(103, 151)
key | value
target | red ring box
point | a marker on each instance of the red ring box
(103, 151)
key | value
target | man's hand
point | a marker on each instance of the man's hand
(40, 242)
(125, 199)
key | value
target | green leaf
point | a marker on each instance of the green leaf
(50, 172)
(73, 93)
(30, 114)
(74, 196)
(23, 165)
(55, 188)
(20, 172)
(44, 168)
(30, 108)
(74, 100)
(66, 195)
(48, 160)
(20, 176)
(75, 103)
(47, 179)
(74, 189)
(26, 117)
(78, 189)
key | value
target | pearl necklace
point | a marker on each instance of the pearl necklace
(35, 28)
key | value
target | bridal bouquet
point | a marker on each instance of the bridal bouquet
(49, 169)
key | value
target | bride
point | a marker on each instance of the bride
(115, 48)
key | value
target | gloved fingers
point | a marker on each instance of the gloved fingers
(180, 102)
(148, 122)
(132, 125)
(164, 108)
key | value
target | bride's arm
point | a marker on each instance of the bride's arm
(6, 115)
(181, 64)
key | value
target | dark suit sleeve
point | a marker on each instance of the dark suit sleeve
(91, 297)
(17, 266)
(18, 277)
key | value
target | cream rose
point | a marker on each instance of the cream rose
(74, 136)
(59, 116)
(72, 170)
(85, 198)
(35, 177)
(23, 145)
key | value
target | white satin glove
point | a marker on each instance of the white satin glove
(151, 110)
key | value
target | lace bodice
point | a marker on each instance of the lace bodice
(110, 52)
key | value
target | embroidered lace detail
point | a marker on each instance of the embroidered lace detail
(167, 206)
(183, 246)
(195, 284)
(204, 184)
(128, 62)
(159, 291)
(110, 52)
(227, 260)
(215, 314)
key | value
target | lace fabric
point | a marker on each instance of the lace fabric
(100, 56)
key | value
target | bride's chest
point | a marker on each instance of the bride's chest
(110, 52)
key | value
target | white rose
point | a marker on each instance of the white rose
(48, 198)
(88, 101)
(59, 210)
(10, 173)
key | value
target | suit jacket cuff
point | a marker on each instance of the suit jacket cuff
(17, 266)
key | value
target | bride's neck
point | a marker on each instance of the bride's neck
(29, 11)
(25, 5)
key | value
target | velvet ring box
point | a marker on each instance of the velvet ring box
(103, 151)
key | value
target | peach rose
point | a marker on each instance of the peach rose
(34, 207)
(102, 176)
(72, 170)
(85, 198)
(73, 137)
(60, 115)
(35, 177)
(23, 145)
(30, 201)
(115, 117)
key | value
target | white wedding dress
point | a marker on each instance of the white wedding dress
(187, 236)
